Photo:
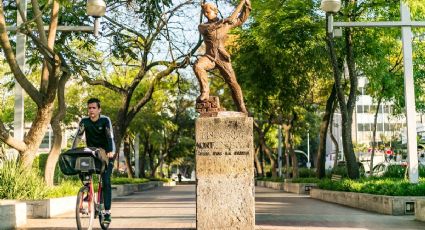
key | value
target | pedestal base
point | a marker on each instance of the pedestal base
(225, 172)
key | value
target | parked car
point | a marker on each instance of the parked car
(397, 169)
(175, 177)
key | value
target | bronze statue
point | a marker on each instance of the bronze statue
(214, 33)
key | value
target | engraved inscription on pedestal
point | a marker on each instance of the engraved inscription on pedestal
(225, 173)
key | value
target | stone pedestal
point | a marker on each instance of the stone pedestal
(225, 172)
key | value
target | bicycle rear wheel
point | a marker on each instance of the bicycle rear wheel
(84, 210)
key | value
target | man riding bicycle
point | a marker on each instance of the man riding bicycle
(99, 134)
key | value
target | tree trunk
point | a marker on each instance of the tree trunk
(151, 161)
(324, 124)
(290, 151)
(374, 136)
(334, 141)
(262, 163)
(127, 155)
(295, 173)
(266, 149)
(36, 134)
(142, 159)
(346, 109)
(53, 157)
(257, 162)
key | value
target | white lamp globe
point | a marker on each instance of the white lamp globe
(96, 8)
(330, 6)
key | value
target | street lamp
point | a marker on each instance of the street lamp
(95, 8)
(333, 6)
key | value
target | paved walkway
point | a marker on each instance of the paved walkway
(174, 208)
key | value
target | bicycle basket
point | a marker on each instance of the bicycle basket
(80, 160)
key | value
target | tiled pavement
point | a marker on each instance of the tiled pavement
(174, 208)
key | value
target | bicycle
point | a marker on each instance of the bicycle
(85, 162)
(89, 204)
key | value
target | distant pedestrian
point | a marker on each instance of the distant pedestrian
(180, 177)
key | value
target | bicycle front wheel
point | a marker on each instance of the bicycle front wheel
(84, 210)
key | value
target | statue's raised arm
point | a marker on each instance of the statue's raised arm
(242, 10)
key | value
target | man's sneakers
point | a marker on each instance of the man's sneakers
(107, 218)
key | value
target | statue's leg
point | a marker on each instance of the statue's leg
(200, 68)
(229, 76)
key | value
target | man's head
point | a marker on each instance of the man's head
(93, 107)
(209, 10)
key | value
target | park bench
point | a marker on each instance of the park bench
(336, 177)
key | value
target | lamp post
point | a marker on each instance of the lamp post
(333, 6)
(279, 150)
(308, 149)
(95, 8)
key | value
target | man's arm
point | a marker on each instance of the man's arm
(110, 149)
(78, 135)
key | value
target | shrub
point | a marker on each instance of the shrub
(122, 180)
(306, 180)
(306, 173)
(160, 179)
(66, 188)
(395, 171)
(378, 186)
(19, 183)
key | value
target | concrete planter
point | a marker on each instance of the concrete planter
(298, 188)
(390, 205)
(270, 184)
(128, 189)
(56, 206)
(50, 207)
(12, 214)
(169, 184)
(420, 210)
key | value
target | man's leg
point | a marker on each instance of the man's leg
(200, 68)
(229, 76)
(107, 190)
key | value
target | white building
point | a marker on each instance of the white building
(389, 128)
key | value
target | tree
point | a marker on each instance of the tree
(53, 68)
(135, 60)
(279, 52)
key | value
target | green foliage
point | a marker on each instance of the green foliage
(386, 186)
(160, 179)
(340, 170)
(122, 180)
(306, 180)
(66, 188)
(306, 173)
(273, 179)
(19, 183)
(40, 165)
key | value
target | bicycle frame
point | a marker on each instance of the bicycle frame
(92, 200)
